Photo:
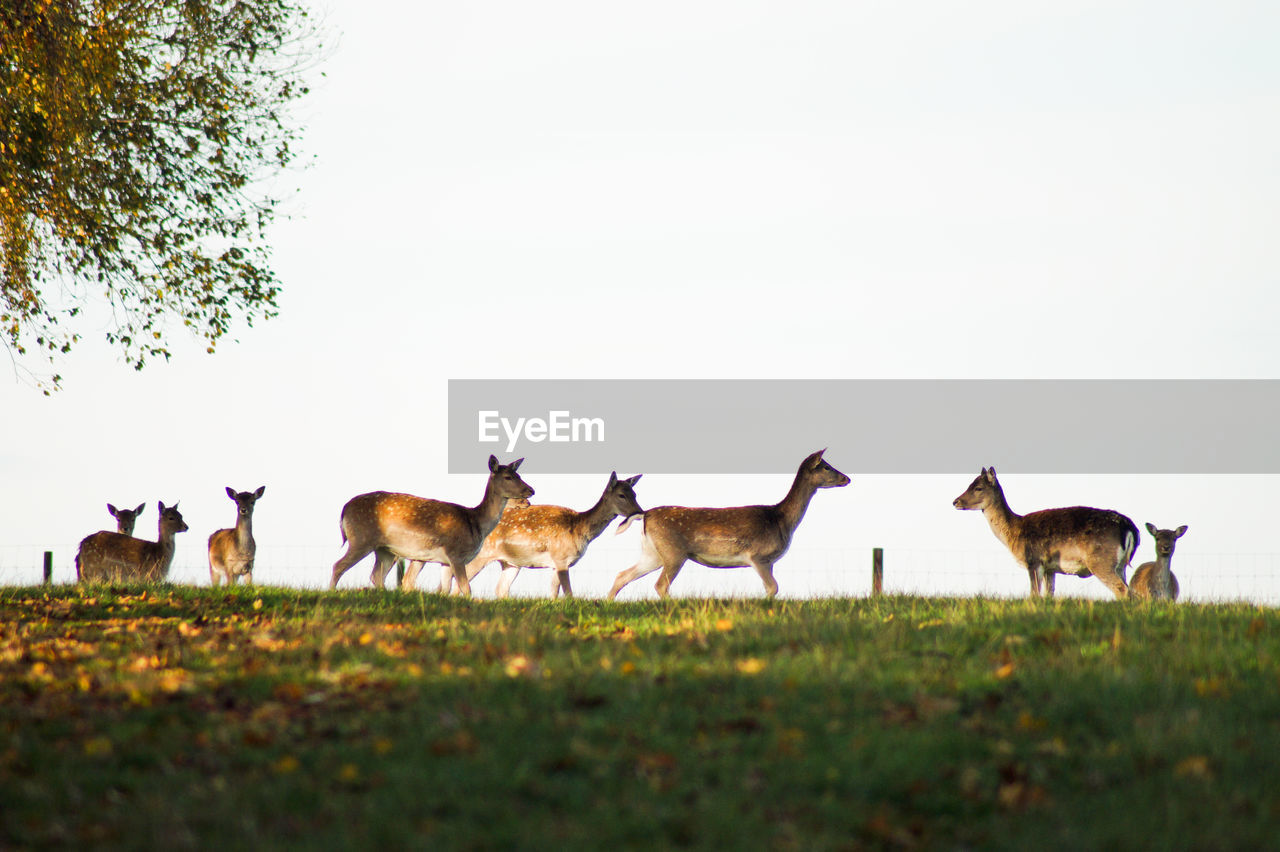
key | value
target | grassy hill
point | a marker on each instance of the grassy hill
(181, 717)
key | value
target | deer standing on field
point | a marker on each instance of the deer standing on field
(231, 551)
(1077, 540)
(1155, 580)
(125, 518)
(401, 526)
(727, 538)
(112, 557)
(548, 537)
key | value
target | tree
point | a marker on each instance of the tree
(136, 140)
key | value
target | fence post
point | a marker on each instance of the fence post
(48, 567)
(877, 571)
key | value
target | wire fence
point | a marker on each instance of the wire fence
(805, 572)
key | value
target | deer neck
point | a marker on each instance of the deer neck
(1005, 522)
(793, 506)
(489, 512)
(589, 524)
(244, 531)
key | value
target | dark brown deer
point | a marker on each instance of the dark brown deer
(125, 518)
(1154, 580)
(727, 538)
(549, 537)
(1077, 540)
(112, 557)
(231, 551)
(401, 526)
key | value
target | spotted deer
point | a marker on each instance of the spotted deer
(1077, 540)
(231, 551)
(125, 518)
(1154, 580)
(727, 538)
(113, 557)
(548, 537)
(401, 526)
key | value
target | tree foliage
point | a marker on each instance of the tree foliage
(137, 138)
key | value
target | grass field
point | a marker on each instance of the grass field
(173, 717)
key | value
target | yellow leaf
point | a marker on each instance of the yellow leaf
(286, 764)
(724, 625)
(751, 665)
(1005, 671)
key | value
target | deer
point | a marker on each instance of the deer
(410, 579)
(401, 526)
(112, 557)
(1155, 580)
(736, 537)
(1077, 540)
(231, 551)
(125, 518)
(549, 537)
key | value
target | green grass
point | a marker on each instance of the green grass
(178, 717)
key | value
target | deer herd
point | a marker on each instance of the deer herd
(504, 527)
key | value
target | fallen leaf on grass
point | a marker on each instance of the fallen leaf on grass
(1196, 766)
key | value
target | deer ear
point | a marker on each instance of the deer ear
(141, 506)
(231, 492)
(262, 489)
(990, 474)
(515, 465)
(112, 510)
(633, 480)
(1151, 528)
(493, 463)
(613, 479)
(1181, 531)
(160, 503)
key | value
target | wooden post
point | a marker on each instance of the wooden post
(48, 567)
(877, 570)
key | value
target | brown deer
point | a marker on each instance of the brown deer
(727, 538)
(549, 537)
(125, 518)
(401, 526)
(112, 557)
(231, 551)
(1078, 540)
(1154, 580)
(409, 581)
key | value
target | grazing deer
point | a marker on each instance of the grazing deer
(231, 551)
(401, 526)
(1155, 580)
(1078, 540)
(112, 557)
(549, 537)
(727, 538)
(125, 518)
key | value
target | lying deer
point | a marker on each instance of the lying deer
(1078, 540)
(548, 537)
(1154, 580)
(727, 538)
(125, 518)
(113, 557)
(231, 551)
(401, 526)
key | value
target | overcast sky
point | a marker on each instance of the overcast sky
(736, 190)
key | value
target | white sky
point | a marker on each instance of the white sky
(738, 190)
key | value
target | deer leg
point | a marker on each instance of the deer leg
(410, 580)
(353, 555)
(1113, 582)
(446, 579)
(669, 572)
(648, 563)
(214, 579)
(382, 562)
(460, 576)
(1050, 579)
(562, 582)
(508, 576)
(1034, 572)
(765, 570)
